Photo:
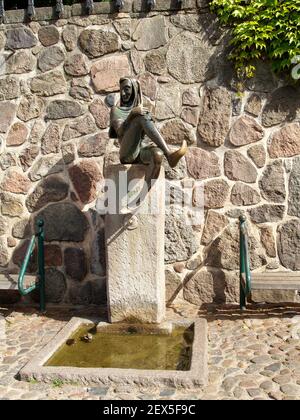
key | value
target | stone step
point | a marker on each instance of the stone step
(276, 287)
(279, 280)
(10, 281)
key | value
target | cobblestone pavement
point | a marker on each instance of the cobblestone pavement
(252, 355)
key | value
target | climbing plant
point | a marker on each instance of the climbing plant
(263, 30)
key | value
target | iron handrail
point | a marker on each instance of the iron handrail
(22, 290)
(245, 274)
(59, 7)
(41, 266)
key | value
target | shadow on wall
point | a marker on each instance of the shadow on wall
(74, 237)
(219, 70)
(215, 278)
(208, 285)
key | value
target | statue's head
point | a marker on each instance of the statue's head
(130, 92)
(126, 90)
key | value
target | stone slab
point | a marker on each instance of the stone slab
(163, 5)
(276, 280)
(196, 376)
(135, 250)
(274, 296)
(275, 287)
(10, 281)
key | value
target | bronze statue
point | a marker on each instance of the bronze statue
(130, 122)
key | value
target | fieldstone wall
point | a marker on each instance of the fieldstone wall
(244, 141)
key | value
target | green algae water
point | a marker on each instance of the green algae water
(127, 350)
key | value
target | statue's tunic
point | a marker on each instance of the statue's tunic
(133, 145)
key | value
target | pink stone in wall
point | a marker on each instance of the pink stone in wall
(85, 177)
(214, 224)
(285, 142)
(100, 112)
(15, 182)
(202, 164)
(216, 193)
(107, 72)
(76, 65)
(238, 168)
(258, 154)
(7, 112)
(174, 132)
(48, 35)
(268, 241)
(50, 142)
(28, 155)
(245, 130)
(17, 134)
(214, 121)
(11, 242)
(53, 255)
(190, 115)
(148, 85)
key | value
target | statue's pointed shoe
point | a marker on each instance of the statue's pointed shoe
(174, 157)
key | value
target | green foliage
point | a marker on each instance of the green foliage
(57, 383)
(261, 30)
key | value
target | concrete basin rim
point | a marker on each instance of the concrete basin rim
(196, 374)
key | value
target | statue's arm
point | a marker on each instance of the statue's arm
(117, 123)
(118, 127)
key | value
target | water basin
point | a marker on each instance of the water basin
(173, 353)
(127, 348)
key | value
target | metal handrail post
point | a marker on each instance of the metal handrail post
(245, 275)
(2, 11)
(247, 266)
(30, 9)
(41, 265)
(89, 6)
(242, 266)
(39, 236)
(59, 8)
(151, 4)
(119, 5)
(27, 257)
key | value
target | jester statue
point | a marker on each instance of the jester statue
(140, 141)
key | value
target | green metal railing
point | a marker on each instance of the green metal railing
(39, 237)
(245, 276)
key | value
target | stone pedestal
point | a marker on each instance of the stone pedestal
(135, 247)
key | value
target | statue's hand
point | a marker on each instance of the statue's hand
(144, 111)
(139, 110)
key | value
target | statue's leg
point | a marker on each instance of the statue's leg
(151, 154)
(131, 142)
(152, 132)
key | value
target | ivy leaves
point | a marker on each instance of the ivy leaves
(261, 29)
